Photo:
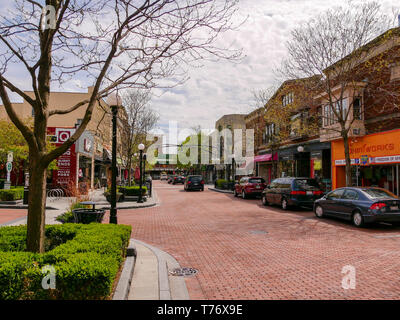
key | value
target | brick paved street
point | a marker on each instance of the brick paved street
(299, 258)
(8, 215)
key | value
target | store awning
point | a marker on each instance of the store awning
(265, 158)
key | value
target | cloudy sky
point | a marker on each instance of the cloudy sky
(225, 87)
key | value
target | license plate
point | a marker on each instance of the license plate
(196, 184)
(258, 187)
(394, 208)
(309, 193)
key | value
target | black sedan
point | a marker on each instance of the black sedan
(360, 205)
(194, 183)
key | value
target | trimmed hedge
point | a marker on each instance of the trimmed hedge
(11, 194)
(86, 259)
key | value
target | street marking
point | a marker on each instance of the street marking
(383, 236)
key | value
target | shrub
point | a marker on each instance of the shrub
(135, 190)
(86, 259)
(12, 194)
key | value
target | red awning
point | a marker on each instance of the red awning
(265, 157)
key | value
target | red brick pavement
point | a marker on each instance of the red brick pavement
(299, 258)
(7, 215)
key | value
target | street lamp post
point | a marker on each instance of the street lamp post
(141, 148)
(114, 103)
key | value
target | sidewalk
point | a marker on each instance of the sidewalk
(151, 277)
(57, 206)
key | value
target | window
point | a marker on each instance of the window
(258, 180)
(269, 132)
(287, 99)
(350, 195)
(306, 183)
(357, 109)
(374, 193)
(329, 116)
(334, 195)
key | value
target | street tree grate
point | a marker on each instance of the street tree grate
(183, 272)
(258, 232)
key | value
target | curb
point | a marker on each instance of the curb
(155, 203)
(164, 259)
(5, 206)
(220, 191)
(124, 283)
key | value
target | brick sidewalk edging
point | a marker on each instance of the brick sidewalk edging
(219, 190)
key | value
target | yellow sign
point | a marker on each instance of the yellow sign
(317, 165)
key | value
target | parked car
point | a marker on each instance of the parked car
(194, 183)
(249, 186)
(289, 191)
(360, 205)
(178, 179)
(163, 176)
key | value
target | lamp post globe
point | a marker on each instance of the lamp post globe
(300, 148)
(141, 147)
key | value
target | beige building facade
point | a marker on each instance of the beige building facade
(93, 148)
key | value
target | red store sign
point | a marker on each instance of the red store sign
(66, 163)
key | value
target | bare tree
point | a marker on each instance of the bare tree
(113, 44)
(140, 120)
(338, 47)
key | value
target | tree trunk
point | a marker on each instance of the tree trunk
(37, 206)
(347, 157)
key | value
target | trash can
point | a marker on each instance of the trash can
(26, 195)
(88, 215)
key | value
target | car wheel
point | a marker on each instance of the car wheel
(264, 200)
(202, 189)
(284, 204)
(319, 212)
(244, 195)
(358, 220)
(235, 194)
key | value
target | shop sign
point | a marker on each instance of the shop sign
(389, 159)
(364, 160)
(66, 163)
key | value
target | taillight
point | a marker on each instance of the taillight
(303, 193)
(202, 181)
(189, 182)
(317, 193)
(378, 206)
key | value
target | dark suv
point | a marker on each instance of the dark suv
(286, 192)
(194, 183)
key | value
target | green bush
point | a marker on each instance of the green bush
(86, 259)
(12, 194)
(130, 191)
(135, 191)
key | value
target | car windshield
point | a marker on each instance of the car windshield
(306, 183)
(375, 193)
(256, 180)
(196, 178)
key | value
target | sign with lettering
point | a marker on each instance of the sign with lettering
(66, 163)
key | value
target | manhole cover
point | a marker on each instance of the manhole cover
(183, 272)
(258, 232)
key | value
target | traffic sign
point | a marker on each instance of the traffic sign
(9, 166)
